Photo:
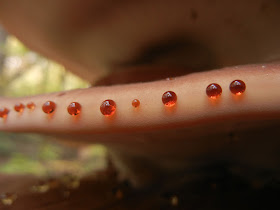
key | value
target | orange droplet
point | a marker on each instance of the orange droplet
(48, 107)
(30, 105)
(169, 98)
(213, 90)
(74, 108)
(237, 87)
(4, 112)
(19, 107)
(108, 107)
(135, 103)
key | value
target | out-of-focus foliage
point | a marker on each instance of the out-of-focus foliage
(23, 164)
(32, 154)
(27, 73)
(22, 73)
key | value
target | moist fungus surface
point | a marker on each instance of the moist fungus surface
(129, 51)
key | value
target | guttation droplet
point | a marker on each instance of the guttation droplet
(237, 87)
(48, 107)
(19, 107)
(30, 105)
(169, 98)
(135, 103)
(213, 90)
(108, 107)
(4, 112)
(74, 108)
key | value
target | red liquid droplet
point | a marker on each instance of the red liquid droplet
(135, 103)
(48, 107)
(30, 105)
(237, 87)
(19, 107)
(213, 90)
(108, 107)
(4, 112)
(74, 108)
(169, 98)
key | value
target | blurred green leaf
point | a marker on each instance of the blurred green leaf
(21, 164)
(14, 47)
(49, 152)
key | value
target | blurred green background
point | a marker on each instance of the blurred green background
(23, 73)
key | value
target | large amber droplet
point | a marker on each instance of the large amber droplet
(4, 112)
(30, 105)
(74, 108)
(135, 103)
(169, 98)
(108, 107)
(213, 90)
(19, 107)
(237, 87)
(48, 107)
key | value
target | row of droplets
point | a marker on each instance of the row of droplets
(108, 107)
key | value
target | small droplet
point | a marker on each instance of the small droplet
(74, 108)
(8, 198)
(30, 105)
(169, 98)
(135, 103)
(108, 107)
(48, 107)
(237, 87)
(19, 107)
(4, 112)
(213, 90)
(169, 78)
